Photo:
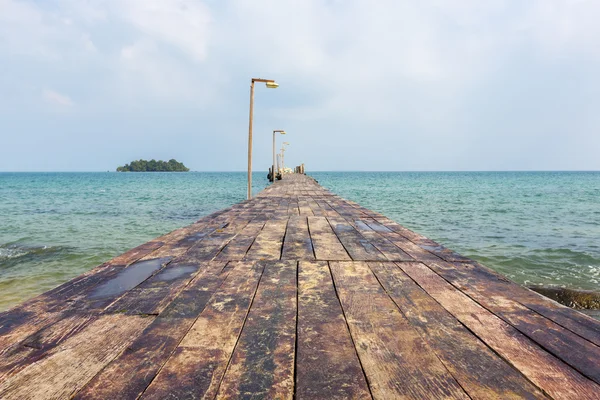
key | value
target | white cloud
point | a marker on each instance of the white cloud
(56, 98)
(437, 68)
(183, 24)
(356, 55)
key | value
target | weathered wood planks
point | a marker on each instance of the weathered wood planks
(481, 372)
(198, 363)
(327, 365)
(67, 368)
(397, 361)
(262, 365)
(296, 293)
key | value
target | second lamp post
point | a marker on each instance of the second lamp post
(273, 174)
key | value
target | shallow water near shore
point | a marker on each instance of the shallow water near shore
(538, 228)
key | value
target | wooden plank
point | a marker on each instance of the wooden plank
(297, 243)
(72, 299)
(326, 244)
(574, 350)
(36, 346)
(269, 241)
(142, 360)
(403, 243)
(327, 209)
(386, 247)
(262, 365)
(237, 248)
(327, 366)
(72, 364)
(136, 253)
(423, 242)
(197, 365)
(23, 321)
(315, 208)
(293, 207)
(189, 236)
(359, 248)
(576, 322)
(397, 362)
(105, 293)
(555, 378)
(480, 371)
(211, 245)
(344, 209)
(154, 294)
(18, 323)
(304, 207)
(282, 209)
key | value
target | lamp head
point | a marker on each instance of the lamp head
(272, 84)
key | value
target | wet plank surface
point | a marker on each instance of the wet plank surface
(296, 293)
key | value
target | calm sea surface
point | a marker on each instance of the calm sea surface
(535, 227)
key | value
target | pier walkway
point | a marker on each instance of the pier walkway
(296, 293)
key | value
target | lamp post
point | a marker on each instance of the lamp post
(273, 167)
(282, 156)
(271, 84)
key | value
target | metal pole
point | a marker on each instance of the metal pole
(273, 169)
(278, 162)
(250, 141)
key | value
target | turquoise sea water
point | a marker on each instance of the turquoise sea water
(535, 227)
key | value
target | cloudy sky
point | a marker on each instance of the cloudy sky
(364, 85)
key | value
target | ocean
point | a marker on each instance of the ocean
(537, 228)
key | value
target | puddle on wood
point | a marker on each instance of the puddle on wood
(129, 278)
(171, 273)
(432, 248)
(379, 228)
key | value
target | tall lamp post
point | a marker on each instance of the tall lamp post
(282, 156)
(273, 167)
(271, 84)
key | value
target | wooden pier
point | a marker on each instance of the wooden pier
(296, 293)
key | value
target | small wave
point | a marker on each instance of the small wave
(10, 253)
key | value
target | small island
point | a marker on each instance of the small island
(154, 166)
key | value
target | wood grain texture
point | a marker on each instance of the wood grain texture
(326, 244)
(69, 366)
(237, 248)
(576, 322)
(480, 372)
(397, 361)
(269, 241)
(262, 365)
(574, 350)
(327, 366)
(197, 365)
(359, 248)
(385, 246)
(297, 244)
(142, 360)
(555, 377)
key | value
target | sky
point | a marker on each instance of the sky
(387, 85)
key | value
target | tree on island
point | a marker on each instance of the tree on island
(154, 166)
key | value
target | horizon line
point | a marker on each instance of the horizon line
(317, 171)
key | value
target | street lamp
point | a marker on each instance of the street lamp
(271, 84)
(273, 167)
(282, 156)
